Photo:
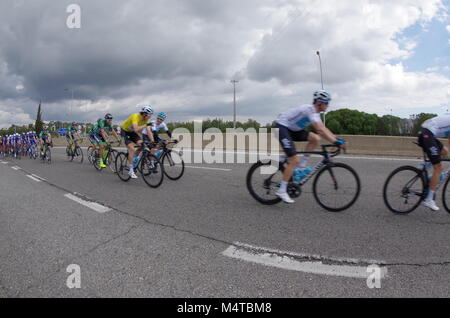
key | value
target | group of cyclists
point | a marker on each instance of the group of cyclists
(292, 126)
(20, 145)
(138, 128)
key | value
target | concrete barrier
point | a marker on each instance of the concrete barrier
(358, 145)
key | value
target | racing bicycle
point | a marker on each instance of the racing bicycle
(407, 186)
(148, 166)
(336, 186)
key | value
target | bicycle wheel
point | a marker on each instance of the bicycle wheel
(151, 169)
(173, 165)
(95, 161)
(446, 196)
(122, 169)
(263, 186)
(404, 190)
(90, 154)
(336, 187)
(78, 154)
(111, 159)
(48, 156)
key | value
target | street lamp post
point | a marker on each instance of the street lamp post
(321, 81)
(234, 82)
(71, 105)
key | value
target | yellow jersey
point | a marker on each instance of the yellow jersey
(132, 120)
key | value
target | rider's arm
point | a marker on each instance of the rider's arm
(116, 135)
(104, 134)
(150, 133)
(324, 132)
(137, 129)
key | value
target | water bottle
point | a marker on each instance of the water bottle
(135, 161)
(307, 171)
(297, 175)
(158, 153)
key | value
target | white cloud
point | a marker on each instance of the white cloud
(180, 55)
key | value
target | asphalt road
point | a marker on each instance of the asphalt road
(170, 241)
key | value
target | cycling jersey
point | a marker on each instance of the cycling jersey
(71, 130)
(99, 126)
(157, 128)
(439, 126)
(135, 119)
(44, 135)
(299, 118)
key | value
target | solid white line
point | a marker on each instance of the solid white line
(287, 262)
(92, 205)
(206, 168)
(33, 178)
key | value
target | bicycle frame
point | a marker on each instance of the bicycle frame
(325, 161)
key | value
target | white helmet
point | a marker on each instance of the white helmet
(147, 110)
(322, 96)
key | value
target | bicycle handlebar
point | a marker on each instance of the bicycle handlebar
(333, 153)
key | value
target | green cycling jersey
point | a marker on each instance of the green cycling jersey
(99, 126)
(44, 134)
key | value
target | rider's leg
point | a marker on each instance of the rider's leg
(131, 152)
(313, 142)
(100, 151)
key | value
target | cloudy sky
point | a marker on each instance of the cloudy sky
(180, 55)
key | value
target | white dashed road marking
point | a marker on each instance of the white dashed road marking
(206, 168)
(295, 262)
(15, 168)
(42, 179)
(33, 178)
(91, 205)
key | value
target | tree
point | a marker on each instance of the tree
(39, 123)
(418, 120)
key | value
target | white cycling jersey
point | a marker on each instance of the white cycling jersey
(439, 126)
(299, 118)
(157, 128)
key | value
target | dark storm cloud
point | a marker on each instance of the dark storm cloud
(119, 44)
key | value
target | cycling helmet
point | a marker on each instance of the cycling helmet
(108, 116)
(162, 116)
(322, 96)
(147, 110)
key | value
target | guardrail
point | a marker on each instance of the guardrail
(358, 145)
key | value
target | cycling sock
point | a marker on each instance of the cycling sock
(283, 186)
(430, 195)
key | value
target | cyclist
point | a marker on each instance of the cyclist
(292, 125)
(72, 131)
(130, 130)
(99, 135)
(2, 146)
(157, 127)
(45, 138)
(432, 129)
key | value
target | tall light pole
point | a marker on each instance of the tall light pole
(321, 72)
(321, 80)
(71, 105)
(234, 82)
